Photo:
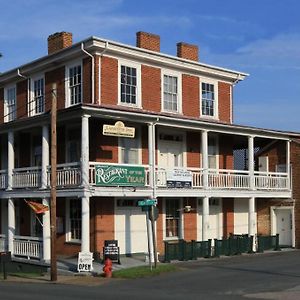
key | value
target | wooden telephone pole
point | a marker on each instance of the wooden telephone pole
(53, 184)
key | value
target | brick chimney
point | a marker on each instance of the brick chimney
(187, 51)
(148, 41)
(59, 41)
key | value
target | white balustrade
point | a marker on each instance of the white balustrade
(3, 242)
(27, 246)
(27, 177)
(271, 181)
(3, 179)
(67, 175)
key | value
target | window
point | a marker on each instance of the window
(128, 85)
(38, 102)
(212, 152)
(75, 94)
(10, 104)
(74, 220)
(73, 145)
(170, 91)
(208, 99)
(129, 150)
(172, 218)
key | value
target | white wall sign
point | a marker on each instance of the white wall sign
(179, 178)
(85, 262)
(119, 129)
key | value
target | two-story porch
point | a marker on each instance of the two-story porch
(228, 169)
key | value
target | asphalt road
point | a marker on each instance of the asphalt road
(259, 276)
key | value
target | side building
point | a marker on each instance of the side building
(134, 123)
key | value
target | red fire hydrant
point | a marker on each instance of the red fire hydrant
(107, 268)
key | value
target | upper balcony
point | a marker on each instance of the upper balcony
(70, 176)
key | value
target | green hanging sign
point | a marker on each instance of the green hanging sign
(119, 175)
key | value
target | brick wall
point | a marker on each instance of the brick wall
(225, 152)
(104, 221)
(109, 82)
(61, 141)
(1, 105)
(22, 99)
(190, 220)
(276, 154)
(97, 82)
(25, 218)
(87, 80)
(55, 76)
(224, 102)
(228, 216)
(159, 227)
(190, 96)
(151, 88)
(24, 140)
(193, 149)
(145, 152)
(295, 159)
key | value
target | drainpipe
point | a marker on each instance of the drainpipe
(93, 71)
(19, 74)
(101, 54)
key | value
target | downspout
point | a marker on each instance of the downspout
(101, 54)
(93, 71)
(20, 75)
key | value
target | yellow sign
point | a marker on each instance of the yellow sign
(119, 129)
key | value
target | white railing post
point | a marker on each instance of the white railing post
(205, 218)
(288, 164)
(85, 224)
(10, 159)
(251, 161)
(204, 150)
(46, 233)
(11, 225)
(85, 150)
(45, 156)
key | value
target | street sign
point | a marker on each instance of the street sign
(147, 202)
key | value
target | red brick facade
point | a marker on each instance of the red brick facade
(190, 96)
(225, 109)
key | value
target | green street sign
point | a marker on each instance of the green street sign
(147, 202)
(119, 175)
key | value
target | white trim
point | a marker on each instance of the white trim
(167, 72)
(31, 100)
(216, 101)
(6, 88)
(137, 66)
(68, 66)
(67, 221)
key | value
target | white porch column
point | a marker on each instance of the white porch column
(46, 233)
(251, 161)
(11, 225)
(85, 224)
(45, 155)
(205, 218)
(10, 159)
(85, 149)
(204, 151)
(251, 217)
(288, 164)
(150, 155)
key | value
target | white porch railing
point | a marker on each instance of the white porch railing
(3, 179)
(271, 181)
(27, 177)
(3, 243)
(67, 175)
(27, 246)
(228, 179)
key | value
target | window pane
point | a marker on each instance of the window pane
(75, 85)
(208, 99)
(170, 93)
(128, 85)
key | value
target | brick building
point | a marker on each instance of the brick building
(134, 123)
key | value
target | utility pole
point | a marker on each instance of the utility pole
(53, 183)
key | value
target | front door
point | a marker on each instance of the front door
(284, 226)
(170, 155)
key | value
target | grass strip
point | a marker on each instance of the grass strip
(144, 271)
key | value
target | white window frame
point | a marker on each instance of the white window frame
(67, 80)
(216, 101)
(216, 137)
(6, 110)
(180, 223)
(31, 99)
(139, 147)
(128, 63)
(68, 223)
(165, 72)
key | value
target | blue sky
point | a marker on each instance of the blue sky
(260, 37)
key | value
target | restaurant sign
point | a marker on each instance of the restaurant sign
(119, 129)
(179, 178)
(119, 175)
